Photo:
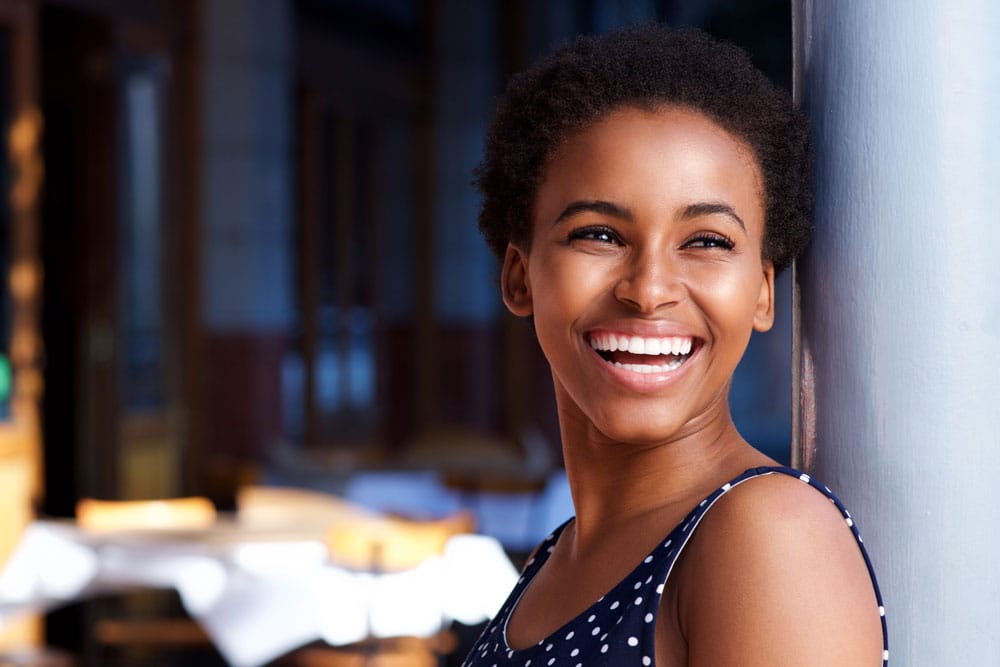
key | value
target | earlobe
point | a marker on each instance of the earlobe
(514, 283)
(764, 314)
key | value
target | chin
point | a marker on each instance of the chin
(641, 431)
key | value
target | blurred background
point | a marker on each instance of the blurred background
(241, 249)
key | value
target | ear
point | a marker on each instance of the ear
(514, 283)
(763, 317)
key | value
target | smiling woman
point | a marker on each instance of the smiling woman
(667, 255)
(642, 189)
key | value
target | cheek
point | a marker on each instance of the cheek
(563, 291)
(730, 297)
(564, 282)
(554, 304)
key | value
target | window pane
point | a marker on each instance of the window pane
(142, 228)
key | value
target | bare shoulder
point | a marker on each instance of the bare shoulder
(773, 576)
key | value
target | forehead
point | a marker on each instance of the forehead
(665, 154)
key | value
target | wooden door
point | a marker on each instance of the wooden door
(78, 243)
(113, 315)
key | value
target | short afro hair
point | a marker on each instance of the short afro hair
(645, 66)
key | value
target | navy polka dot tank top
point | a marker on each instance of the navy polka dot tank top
(618, 629)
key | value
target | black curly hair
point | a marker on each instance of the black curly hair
(645, 66)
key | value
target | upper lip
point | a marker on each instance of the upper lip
(642, 327)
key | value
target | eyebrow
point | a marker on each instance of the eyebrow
(711, 208)
(594, 206)
(614, 210)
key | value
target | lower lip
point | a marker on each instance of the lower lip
(643, 382)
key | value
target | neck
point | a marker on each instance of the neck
(614, 483)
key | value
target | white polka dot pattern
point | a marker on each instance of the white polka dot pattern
(628, 611)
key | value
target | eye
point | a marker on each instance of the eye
(709, 240)
(598, 234)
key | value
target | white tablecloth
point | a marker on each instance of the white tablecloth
(258, 594)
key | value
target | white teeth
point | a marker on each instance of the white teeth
(675, 345)
(650, 368)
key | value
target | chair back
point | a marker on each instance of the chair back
(386, 544)
(283, 507)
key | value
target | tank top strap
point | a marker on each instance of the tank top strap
(690, 523)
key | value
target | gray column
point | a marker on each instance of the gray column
(466, 82)
(247, 221)
(247, 207)
(897, 345)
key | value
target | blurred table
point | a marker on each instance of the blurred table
(257, 593)
(519, 518)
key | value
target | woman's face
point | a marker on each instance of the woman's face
(644, 274)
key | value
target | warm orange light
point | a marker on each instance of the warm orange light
(25, 132)
(177, 513)
(287, 507)
(390, 544)
(25, 280)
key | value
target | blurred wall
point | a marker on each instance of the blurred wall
(260, 243)
(247, 216)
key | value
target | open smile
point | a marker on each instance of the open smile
(642, 354)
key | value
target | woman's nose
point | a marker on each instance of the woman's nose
(649, 282)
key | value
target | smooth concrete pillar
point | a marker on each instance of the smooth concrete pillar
(897, 344)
